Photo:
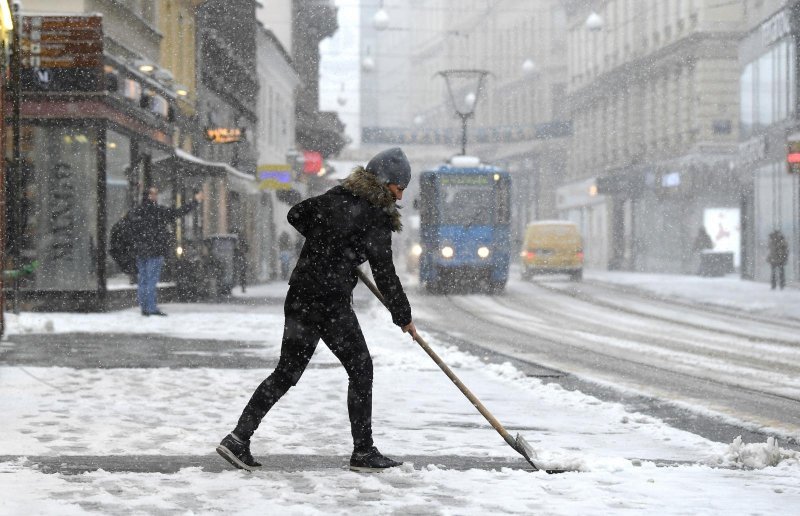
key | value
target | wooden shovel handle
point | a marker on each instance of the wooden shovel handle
(446, 369)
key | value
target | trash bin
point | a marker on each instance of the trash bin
(716, 263)
(221, 247)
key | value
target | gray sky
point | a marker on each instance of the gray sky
(340, 68)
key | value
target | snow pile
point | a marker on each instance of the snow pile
(755, 455)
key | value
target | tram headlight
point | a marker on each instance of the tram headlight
(483, 252)
(447, 251)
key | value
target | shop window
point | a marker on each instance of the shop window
(118, 194)
(767, 88)
(60, 216)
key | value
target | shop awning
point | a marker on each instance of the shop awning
(184, 163)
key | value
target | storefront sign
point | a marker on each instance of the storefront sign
(62, 53)
(225, 134)
(775, 28)
(275, 177)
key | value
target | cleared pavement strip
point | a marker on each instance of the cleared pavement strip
(77, 464)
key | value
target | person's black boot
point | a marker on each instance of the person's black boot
(371, 460)
(237, 453)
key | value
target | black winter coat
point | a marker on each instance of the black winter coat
(778, 249)
(152, 236)
(342, 231)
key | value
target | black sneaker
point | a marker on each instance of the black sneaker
(237, 453)
(371, 461)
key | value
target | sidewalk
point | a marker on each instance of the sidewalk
(116, 413)
(730, 292)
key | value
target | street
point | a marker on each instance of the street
(115, 413)
(723, 361)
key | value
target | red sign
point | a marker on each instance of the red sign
(312, 163)
(793, 157)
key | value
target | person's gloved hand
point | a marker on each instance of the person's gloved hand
(411, 329)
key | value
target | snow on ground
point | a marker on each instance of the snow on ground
(60, 412)
(729, 291)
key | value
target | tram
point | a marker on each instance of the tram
(465, 216)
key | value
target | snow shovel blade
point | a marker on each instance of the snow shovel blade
(527, 451)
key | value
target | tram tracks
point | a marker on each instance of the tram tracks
(530, 335)
(723, 320)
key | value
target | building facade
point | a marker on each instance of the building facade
(93, 123)
(6, 37)
(768, 122)
(315, 130)
(228, 90)
(653, 98)
(519, 118)
(276, 142)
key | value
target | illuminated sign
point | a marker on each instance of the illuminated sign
(275, 177)
(225, 134)
(465, 179)
(793, 157)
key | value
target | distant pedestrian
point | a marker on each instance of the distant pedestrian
(702, 243)
(240, 260)
(777, 257)
(151, 243)
(344, 227)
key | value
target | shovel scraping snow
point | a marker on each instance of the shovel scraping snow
(519, 443)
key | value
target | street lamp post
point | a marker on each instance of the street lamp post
(16, 152)
(457, 81)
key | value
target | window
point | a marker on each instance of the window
(767, 88)
(427, 194)
(118, 195)
(746, 100)
(60, 215)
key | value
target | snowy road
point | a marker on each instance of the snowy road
(742, 366)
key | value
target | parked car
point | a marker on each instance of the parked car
(552, 247)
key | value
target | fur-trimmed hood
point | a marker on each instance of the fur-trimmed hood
(367, 186)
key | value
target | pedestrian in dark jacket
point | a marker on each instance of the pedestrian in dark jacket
(343, 228)
(152, 242)
(777, 258)
(702, 243)
(240, 260)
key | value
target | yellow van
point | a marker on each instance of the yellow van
(552, 247)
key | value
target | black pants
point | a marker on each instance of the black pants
(310, 318)
(778, 276)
